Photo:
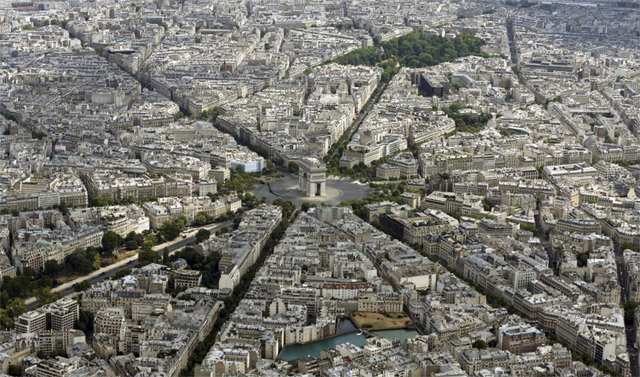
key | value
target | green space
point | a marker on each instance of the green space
(39, 284)
(381, 192)
(414, 50)
(582, 259)
(207, 265)
(630, 308)
(232, 301)
(361, 172)
(466, 122)
(81, 262)
(370, 320)
(509, 132)
(630, 246)
(335, 151)
(529, 227)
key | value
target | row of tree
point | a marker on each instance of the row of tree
(232, 301)
(102, 201)
(381, 192)
(337, 149)
(81, 262)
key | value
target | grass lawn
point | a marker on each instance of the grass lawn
(126, 254)
(123, 254)
(66, 278)
(381, 321)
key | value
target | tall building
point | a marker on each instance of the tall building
(59, 315)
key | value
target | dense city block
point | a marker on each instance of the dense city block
(333, 188)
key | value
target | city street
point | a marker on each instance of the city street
(108, 271)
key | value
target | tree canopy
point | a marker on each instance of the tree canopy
(171, 229)
(466, 122)
(147, 256)
(83, 261)
(202, 235)
(414, 50)
(110, 241)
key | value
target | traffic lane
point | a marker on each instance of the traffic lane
(113, 269)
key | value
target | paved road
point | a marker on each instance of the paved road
(619, 259)
(512, 42)
(108, 271)
(337, 191)
(544, 240)
(629, 330)
(363, 114)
